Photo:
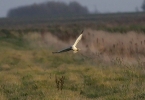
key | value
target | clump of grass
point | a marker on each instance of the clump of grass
(59, 82)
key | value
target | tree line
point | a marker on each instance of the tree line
(49, 9)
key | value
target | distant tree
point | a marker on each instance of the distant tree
(48, 9)
(143, 5)
(76, 8)
(136, 9)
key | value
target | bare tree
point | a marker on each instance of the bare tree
(143, 5)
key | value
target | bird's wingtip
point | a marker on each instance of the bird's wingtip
(54, 52)
(82, 31)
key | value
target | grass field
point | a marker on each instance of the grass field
(110, 65)
(29, 71)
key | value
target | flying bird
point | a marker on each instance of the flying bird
(73, 47)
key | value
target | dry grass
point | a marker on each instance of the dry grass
(130, 46)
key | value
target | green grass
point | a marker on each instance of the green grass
(28, 72)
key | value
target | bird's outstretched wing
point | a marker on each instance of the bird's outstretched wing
(78, 39)
(64, 50)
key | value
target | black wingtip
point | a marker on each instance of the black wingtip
(54, 52)
(82, 31)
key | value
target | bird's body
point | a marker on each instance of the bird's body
(73, 47)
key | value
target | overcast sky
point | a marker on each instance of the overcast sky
(101, 5)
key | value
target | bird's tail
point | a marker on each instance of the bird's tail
(75, 51)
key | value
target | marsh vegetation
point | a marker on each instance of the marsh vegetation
(110, 66)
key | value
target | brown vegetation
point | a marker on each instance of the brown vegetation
(130, 46)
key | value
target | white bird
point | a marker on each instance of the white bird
(73, 47)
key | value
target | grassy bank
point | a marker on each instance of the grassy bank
(29, 71)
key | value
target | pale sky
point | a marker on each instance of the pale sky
(102, 5)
